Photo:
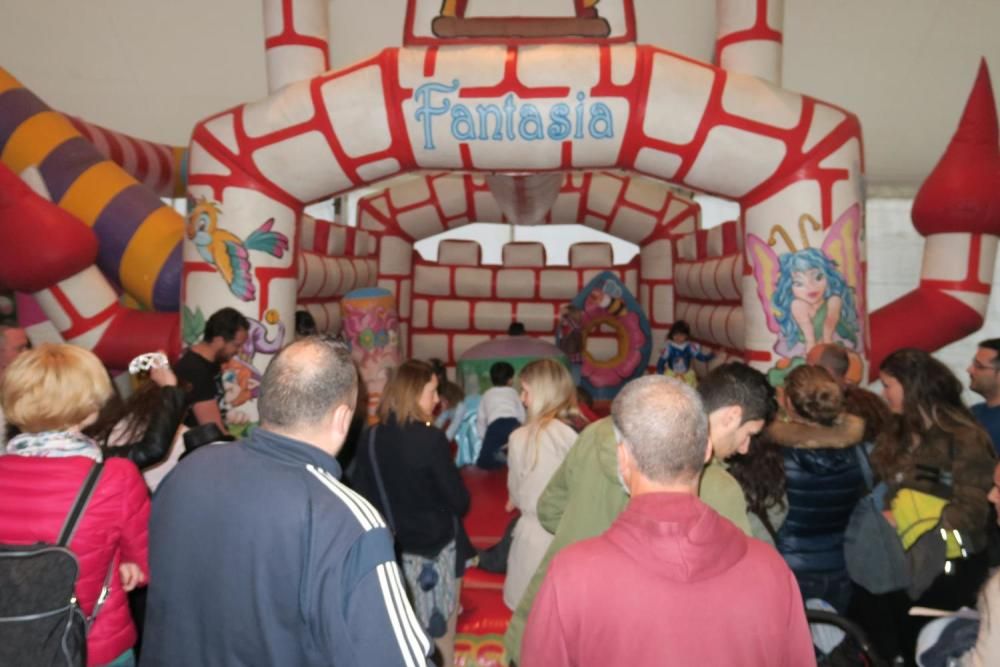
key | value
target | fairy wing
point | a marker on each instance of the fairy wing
(843, 246)
(766, 270)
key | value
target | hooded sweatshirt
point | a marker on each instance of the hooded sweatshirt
(678, 585)
(585, 496)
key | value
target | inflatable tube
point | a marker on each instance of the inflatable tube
(159, 167)
(139, 236)
(749, 37)
(296, 45)
(52, 257)
(323, 277)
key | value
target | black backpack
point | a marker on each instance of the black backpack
(41, 623)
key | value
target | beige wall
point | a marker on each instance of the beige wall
(154, 68)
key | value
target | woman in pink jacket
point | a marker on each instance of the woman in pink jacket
(51, 394)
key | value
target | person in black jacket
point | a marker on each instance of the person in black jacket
(142, 428)
(404, 467)
(823, 480)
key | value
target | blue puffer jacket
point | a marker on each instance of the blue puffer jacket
(824, 482)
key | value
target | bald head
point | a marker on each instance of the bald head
(305, 383)
(664, 426)
(13, 341)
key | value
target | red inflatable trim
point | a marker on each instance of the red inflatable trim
(915, 320)
(42, 244)
(960, 195)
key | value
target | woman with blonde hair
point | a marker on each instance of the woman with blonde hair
(51, 394)
(404, 467)
(535, 452)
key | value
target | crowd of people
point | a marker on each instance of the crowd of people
(695, 524)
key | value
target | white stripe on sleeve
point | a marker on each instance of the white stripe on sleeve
(368, 519)
(408, 614)
(362, 502)
(408, 644)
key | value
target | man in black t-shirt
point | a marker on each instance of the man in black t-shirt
(200, 368)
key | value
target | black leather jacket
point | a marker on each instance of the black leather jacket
(160, 432)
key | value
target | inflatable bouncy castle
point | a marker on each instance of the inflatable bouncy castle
(547, 114)
(556, 117)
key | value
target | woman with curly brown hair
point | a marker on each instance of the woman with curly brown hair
(823, 479)
(934, 453)
(934, 439)
(761, 474)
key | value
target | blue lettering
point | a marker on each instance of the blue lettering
(559, 127)
(508, 110)
(579, 116)
(529, 114)
(485, 111)
(510, 119)
(460, 117)
(427, 110)
(600, 113)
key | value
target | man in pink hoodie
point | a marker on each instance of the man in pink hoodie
(671, 581)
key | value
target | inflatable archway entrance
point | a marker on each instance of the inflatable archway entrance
(793, 163)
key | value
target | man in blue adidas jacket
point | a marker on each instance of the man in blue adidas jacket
(260, 556)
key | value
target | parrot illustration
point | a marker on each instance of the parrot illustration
(226, 252)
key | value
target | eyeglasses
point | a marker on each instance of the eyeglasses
(984, 367)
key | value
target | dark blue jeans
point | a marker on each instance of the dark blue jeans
(491, 456)
(832, 587)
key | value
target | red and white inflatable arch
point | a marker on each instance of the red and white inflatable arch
(552, 116)
(522, 108)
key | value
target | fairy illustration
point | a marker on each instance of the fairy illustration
(812, 295)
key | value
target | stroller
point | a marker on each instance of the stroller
(854, 650)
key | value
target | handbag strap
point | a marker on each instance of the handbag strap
(867, 472)
(80, 504)
(104, 594)
(383, 497)
(83, 497)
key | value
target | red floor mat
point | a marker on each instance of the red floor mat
(479, 634)
(481, 579)
(484, 617)
(486, 519)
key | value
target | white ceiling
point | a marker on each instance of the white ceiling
(154, 68)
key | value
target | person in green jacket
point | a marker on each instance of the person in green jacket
(586, 493)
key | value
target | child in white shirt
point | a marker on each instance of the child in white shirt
(500, 412)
